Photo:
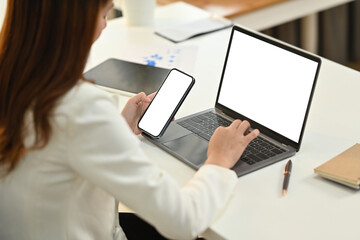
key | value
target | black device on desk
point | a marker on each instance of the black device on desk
(127, 76)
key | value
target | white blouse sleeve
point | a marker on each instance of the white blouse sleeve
(105, 152)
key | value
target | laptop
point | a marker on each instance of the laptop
(283, 78)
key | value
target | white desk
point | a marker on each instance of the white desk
(314, 208)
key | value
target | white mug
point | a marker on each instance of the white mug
(139, 12)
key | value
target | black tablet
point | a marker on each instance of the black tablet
(127, 76)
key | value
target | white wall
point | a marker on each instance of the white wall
(117, 4)
(2, 10)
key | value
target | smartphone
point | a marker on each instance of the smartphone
(166, 103)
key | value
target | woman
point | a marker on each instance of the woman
(66, 154)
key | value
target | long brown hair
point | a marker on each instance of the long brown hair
(44, 45)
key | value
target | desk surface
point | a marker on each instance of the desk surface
(314, 207)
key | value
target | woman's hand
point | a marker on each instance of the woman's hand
(228, 143)
(134, 109)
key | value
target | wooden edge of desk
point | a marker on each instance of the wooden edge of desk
(226, 8)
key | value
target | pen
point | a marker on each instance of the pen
(287, 172)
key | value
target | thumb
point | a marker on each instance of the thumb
(140, 97)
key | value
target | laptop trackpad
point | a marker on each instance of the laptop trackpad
(191, 147)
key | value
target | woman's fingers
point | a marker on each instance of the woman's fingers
(244, 127)
(252, 135)
(235, 124)
(152, 95)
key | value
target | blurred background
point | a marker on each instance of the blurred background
(336, 30)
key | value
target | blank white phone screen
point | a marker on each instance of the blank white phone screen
(165, 102)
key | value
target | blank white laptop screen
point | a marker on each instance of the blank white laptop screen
(267, 84)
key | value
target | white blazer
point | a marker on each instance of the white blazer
(70, 188)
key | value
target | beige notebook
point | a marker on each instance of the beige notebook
(344, 168)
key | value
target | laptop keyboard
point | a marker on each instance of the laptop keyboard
(204, 126)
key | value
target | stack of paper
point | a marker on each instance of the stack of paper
(192, 29)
